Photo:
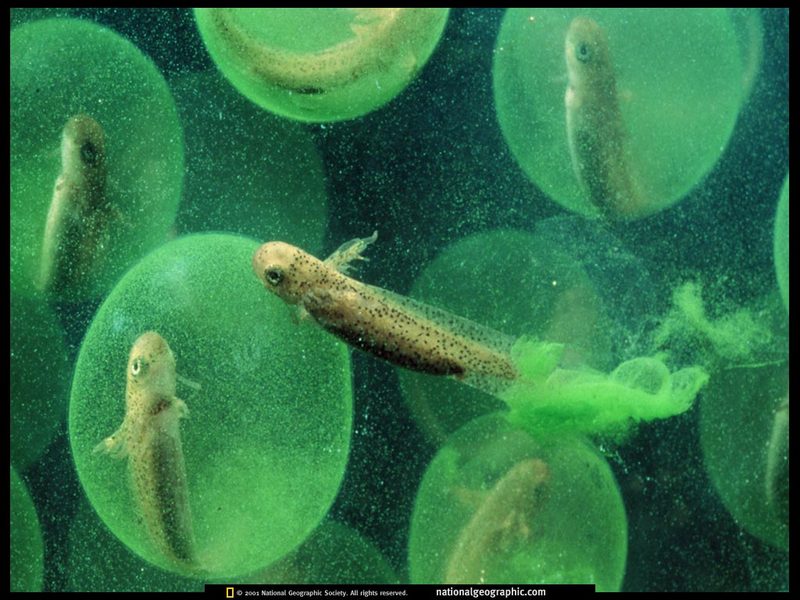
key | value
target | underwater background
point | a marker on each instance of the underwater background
(429, 169)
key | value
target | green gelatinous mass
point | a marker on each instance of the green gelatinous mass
(730, 336)
(347, 63)
(497, 505)
(552, 400)
(267, 434)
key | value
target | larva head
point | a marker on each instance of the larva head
(285, 270)
(151, 365)
(586, 48)
(82, 143)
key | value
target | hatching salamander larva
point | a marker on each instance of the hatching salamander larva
(150, 438)
(501, 524)
(379, 33)
(595, 130)
(398, 329)
(79, 213)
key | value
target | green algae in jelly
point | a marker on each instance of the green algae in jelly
(247, 171)
(679, 99)
(61, 68)
(267, 435)
(549, 400)
(27, 550)
(317, 64)
(499, 506)
(719, 334)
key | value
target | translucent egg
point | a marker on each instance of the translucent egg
(60, 69)
(317, 64)
(498, 506)
(266, 437)
(677, 77)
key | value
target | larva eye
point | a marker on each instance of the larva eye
(136, 366)
(273, 275)
(583, 52)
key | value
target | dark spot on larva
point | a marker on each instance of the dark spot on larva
(159, 406)
(89, 154)
(309, 91)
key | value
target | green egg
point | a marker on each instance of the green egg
(61, 68)
(320, 65)
(27, 550)
(744, 410)
(267, 436)
(499, 506)
(680, 83)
